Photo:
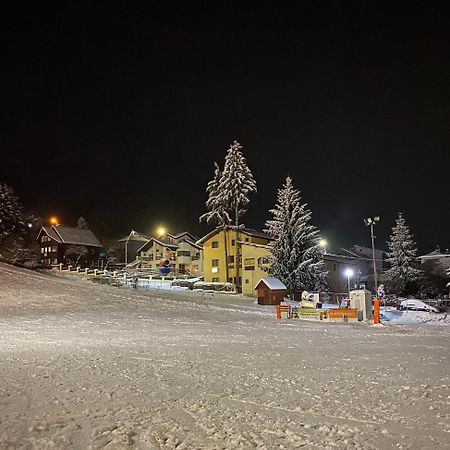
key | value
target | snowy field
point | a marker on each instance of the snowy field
(87, 366)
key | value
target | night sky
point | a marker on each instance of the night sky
(118, 113)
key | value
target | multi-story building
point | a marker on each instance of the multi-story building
(183, 254)
(68, 246)
(219, 255)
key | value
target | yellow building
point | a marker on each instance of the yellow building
(219, 254)
(255, 259)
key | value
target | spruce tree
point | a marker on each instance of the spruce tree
(236, 183)
(297, 257)
(217, 212)
(401, 257)
(10, 212)
(82, 223)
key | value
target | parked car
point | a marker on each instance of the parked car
(417, 305)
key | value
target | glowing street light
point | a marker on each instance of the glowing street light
(349, 274)
(161, 231)
(54, 221)
(323, 243)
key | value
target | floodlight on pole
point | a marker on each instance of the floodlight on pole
(371, 222)
(323, 243)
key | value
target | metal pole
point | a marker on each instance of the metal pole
(126, 251)
(373, 258)
(348, 286)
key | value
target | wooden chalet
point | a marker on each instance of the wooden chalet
(68, 246)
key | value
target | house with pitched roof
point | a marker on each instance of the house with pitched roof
(68, 245)
(179, 251)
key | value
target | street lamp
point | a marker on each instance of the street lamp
(370, 222)
(349, 274)
(161, 231)
(54, 221)
(323, 243)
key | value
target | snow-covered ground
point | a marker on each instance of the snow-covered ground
(87, 366)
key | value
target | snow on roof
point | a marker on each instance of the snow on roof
(166, 244)
(135, 236)
(183, 233)
(49, 232)
(247, 231)
(271, 283)
(77, 236)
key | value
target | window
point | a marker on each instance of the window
(42, 249)
(215, 280)
(215, 244)
(246, 281)
(263, 260)
(55, 261)
(233, 242)
(197, 255)
(54, 249)
(246, 239)
(184, 253)
(215, 263)
(230, 259)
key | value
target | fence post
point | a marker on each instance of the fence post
(60, 267)
(86, 270)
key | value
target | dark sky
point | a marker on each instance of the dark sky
(118, 113)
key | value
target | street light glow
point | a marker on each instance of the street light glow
(323, 242)
(54, 220)
(349, 273)
(161, 231)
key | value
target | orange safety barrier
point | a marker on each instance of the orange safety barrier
(278, 310)
(376, 311)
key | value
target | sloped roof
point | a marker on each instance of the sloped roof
(247, 231)
(77, 236)
(49, 232)
(135, 236)
(272, 283)
(68, 235)
(183, 233)
(166, 244)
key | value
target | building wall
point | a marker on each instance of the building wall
(214, 257)
(336, 278)
(254, 260)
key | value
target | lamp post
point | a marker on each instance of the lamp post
(349, 273)
(370, 222)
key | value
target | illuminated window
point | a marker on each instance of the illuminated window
(215, 280)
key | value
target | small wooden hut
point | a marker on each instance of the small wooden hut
(270, 291)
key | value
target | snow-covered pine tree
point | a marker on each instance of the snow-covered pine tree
(401, 257)
(217, 212)
(297, 256)
(235, 185)
(10, 212)
(82, 223)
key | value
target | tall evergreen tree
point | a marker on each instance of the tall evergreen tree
(10, 212)
(217, 212)
(297, 256)
(236, 183)
(82, 223)
(401, 257)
